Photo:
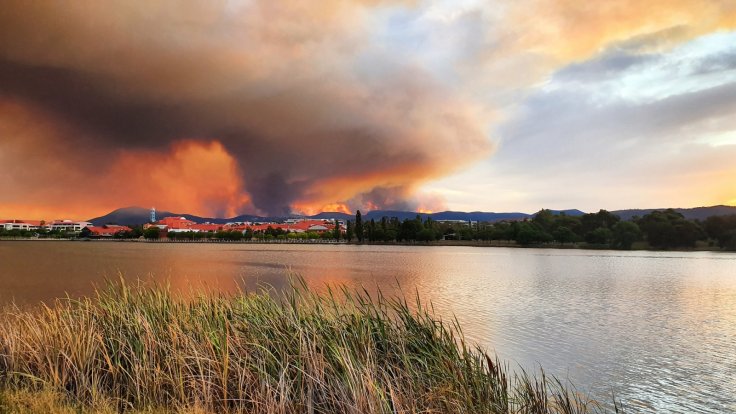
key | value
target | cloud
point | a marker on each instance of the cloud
(298, 105)
(294, 93)
(610, 64)
(585, 140)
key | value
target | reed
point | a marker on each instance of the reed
(145, 349)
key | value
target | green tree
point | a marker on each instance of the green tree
(336, 231)
(152, 233)
(564, 235)
(545, 219)
(349, 231)
(85, 233)
(625, 233)
(426, 235)
(722, 229)
(669, 229)
(530, 234)
(359, 226)
(599, 236)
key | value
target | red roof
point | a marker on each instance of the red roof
(237, 227)
(206, 227)
(108, 230)
(175, 222)
(302, 226)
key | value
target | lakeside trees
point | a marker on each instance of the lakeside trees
(669, 229)
(722, 229)
(665, 229)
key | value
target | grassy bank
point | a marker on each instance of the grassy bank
(137, 349)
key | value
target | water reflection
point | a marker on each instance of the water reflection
(657, 328)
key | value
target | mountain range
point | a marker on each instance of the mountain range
(138, 215)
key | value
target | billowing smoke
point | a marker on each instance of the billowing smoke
(266, 106)
(262, 106)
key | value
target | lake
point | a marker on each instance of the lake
(658, 329)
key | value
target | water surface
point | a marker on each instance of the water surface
(656, 328)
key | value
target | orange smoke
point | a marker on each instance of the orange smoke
(43, 180)
(311, 210)
(193, 176)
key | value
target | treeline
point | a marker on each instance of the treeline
(665, 229)
(41, 233)
(268, 234)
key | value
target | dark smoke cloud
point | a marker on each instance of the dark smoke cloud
(281, 87)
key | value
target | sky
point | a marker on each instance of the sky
(271, 107)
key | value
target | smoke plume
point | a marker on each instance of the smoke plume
(265, 107)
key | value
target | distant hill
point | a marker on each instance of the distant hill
(696, 213)
(130, 216)
(331, 215)
(571, 212)
(127, 216)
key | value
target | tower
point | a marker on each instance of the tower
(153, 214)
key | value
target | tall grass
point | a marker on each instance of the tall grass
(297, 351)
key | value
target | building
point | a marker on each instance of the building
(25, 225)
(175, 224)
(68, 225)
(301, 226)
(108, 230)
(205, 227)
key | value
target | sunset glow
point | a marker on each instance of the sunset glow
(287, 107)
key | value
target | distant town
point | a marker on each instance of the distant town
(179, 227)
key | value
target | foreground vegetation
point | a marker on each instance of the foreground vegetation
(146, 350)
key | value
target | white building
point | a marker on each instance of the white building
(18, 225)
(68, 225)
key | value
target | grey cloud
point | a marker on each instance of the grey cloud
(718, 63)
(566, 130)
(606, 66)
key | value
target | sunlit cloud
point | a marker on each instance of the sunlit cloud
(274, 107)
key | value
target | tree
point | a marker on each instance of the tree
(530, 234)
(591, 222)
(426, 235)
(564, 235)
(336, 231)
(349, 231)
(359, 226)
(85, 233)
(625, 233)
(601, 235)
(669, 229)
(722, 229)
(409, 229)
(465, 233)
(544, 219)
(152, 233)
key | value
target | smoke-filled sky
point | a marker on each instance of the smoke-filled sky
(279, 106)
